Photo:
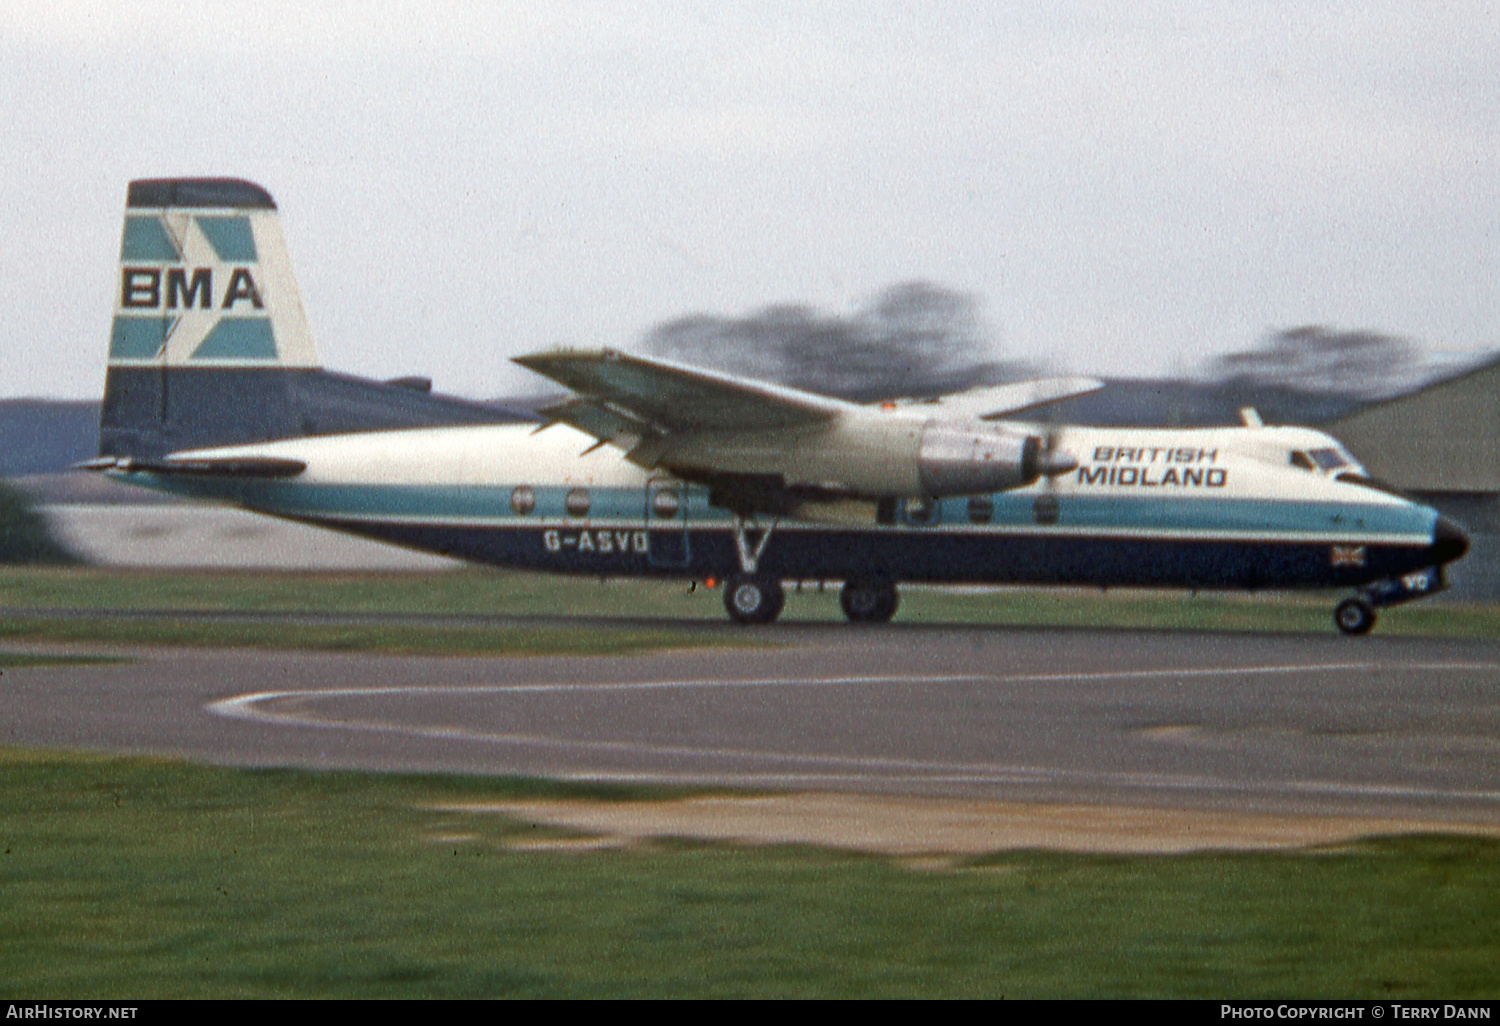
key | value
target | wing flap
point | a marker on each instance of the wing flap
(596, 418)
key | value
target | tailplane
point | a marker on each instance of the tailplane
(210, 345)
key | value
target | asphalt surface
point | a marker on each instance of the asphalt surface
(1377, 726)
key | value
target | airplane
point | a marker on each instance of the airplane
(654, 468)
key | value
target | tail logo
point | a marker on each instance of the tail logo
(188, 286)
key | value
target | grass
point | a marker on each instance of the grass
(472, 593)
(129, 877)
(482, 592)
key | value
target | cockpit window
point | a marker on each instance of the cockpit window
(1328, 459)
(1302, 459)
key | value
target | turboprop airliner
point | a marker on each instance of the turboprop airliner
(655, 468)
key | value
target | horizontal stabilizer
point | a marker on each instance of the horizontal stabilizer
(196, 466)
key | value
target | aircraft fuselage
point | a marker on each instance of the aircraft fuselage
(1211, 508)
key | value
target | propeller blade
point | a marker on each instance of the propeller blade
(1051, 463)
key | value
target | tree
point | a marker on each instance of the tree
(913, 339)
(1314, 358)
(24, 535)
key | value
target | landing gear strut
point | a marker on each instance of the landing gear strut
(869, 600)
(749, 596)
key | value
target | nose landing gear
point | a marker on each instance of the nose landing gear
(1356, 615)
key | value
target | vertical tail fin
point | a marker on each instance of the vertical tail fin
(210, 345)
(205, 279)
(207, 324)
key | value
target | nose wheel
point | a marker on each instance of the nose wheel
(1354, 616)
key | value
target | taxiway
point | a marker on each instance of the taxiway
(1297, 724)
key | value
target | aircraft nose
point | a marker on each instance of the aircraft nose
(1448, 541)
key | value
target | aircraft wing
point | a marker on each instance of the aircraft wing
(627, 394)
(761, 447)
(1004, 400)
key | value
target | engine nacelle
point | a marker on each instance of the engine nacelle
(869, 455)
(967, 459)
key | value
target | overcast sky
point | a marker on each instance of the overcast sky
(1128, 188)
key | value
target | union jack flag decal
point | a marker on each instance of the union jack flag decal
(1346, 555)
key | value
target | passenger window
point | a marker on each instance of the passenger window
(665, 504)
(920, 510)
(577, 502)
(523, 500)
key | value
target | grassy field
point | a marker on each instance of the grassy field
(474, 593)
(492, 592)
(150, 878)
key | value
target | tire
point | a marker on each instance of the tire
(1354, 617)
(753, 598)
(869, 601)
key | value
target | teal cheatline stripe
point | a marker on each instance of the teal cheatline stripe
(238, 338)
(1094, 513)
(146, 238)
(139, 338)
(230, 237)
(1203, 514)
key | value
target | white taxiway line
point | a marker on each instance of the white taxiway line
(251, 707)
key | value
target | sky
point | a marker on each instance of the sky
(1127, 189)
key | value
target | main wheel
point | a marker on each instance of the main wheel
(869, 601)
(1354, 616)
(753, 598)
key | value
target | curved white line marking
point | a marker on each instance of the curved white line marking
(247, 707)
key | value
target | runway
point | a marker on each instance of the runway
(1294, 724)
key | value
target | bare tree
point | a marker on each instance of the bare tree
(913, 339)
(1314, 358)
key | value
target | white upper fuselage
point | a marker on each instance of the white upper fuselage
(1120, 473)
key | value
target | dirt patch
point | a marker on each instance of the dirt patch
(915, 827)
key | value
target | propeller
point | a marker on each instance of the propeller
(1053, 461)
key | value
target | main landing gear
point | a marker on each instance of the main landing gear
(749, 596)
(758, 598)
(870, 600)
(753, 598)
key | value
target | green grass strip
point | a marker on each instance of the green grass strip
(494, 592)
(129, 877)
